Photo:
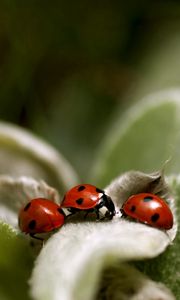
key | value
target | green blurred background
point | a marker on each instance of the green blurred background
(68, 69)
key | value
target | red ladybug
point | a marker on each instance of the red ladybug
(150, 209)
(89, 198)
(40, 215)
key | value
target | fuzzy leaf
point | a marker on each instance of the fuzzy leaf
(14, 193)
(72, 260)
(146, 136)
(166, 267)
(134, 182)
(16, 261)
(23, 154)
(117, 280)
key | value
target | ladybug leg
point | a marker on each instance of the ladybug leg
(97, 214)
(71, 211)
(36, 237)
(87, 212)
(123, 213)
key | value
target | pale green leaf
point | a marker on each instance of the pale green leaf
(73, 259)
(146, 136)
(166, 267)
(123, 282)
(16, 261)
(15, 193)
(24, 154)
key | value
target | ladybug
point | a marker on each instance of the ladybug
(89, 198)
(39, 216)
(150, 209)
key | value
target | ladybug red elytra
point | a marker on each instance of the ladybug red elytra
(88, 198)
(150, 209)
(39, 216)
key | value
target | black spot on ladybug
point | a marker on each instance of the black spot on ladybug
(133, 208)
(99, 191)
(148, 198)
(155, 217)
(81, 188)
(32, 224)
(27, 206)
(79, 201)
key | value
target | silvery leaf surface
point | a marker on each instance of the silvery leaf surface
(144, 138)
(74, 258)
(15, 193)
(24, 154)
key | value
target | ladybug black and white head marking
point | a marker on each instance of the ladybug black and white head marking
(86, 197)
